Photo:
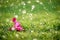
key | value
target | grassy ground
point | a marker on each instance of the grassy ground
(38, 26)
(39, 18)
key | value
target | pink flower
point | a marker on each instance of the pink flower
(17, 26)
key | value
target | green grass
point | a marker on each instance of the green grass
(42, 23)
(43, 26)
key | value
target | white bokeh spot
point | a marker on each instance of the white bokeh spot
(23, 3)
(22, 17)
(4, 36)
(33, 6)
(12, 4)
(17, 35)
(5, 5)
(50, 1)
(7, 1)
(41, 23)
(31, 18)
(41, 3)
(17, 0)
(14, 13)
(16, 6)
(19, 9)
(42, 32)
(47, 14)
(23, 11)
(22, 36)
(37, 1)
(2, 24)
(19, 4)
(58, 11)
(13, 28)
(16, 16)
(29, 2)
(10, 21)
(56, 32)
(45, 8)
(34, 39)
(7, 20)
(30, 15)
(32, 31)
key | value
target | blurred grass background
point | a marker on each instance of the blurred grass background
(39, 18)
